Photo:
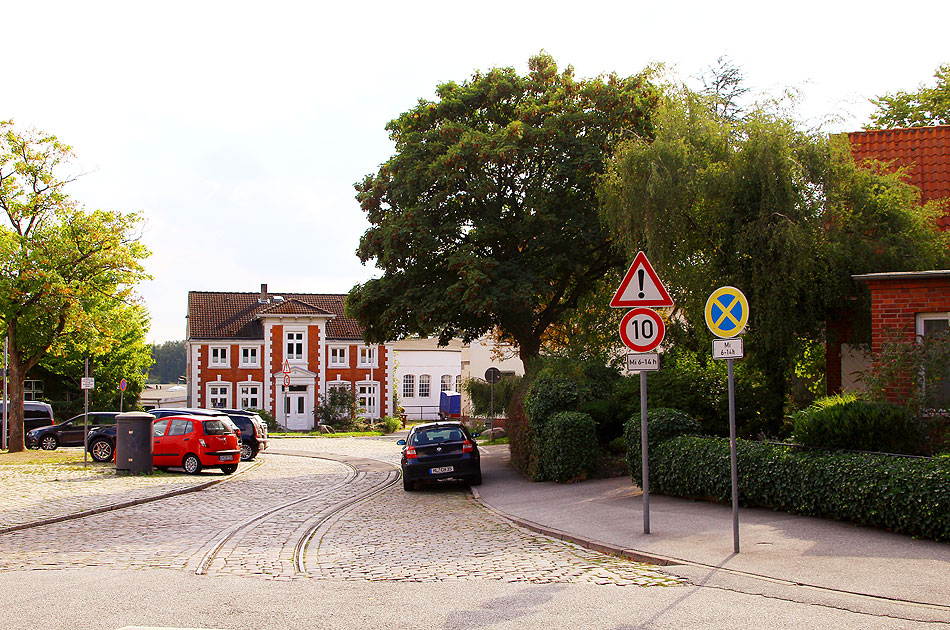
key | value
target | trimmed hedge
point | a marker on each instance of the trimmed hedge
(906, 495)
(860, 425)
(662, 424)
(569, 447)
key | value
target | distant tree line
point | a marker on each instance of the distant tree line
(169, 360)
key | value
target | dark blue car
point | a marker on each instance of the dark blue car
(439, 450)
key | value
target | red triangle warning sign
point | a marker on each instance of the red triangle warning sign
(641, 287)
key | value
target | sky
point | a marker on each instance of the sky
(238, 129)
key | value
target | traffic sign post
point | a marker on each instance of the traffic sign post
(642, 329)
(727, 312)
(649, 362)
(122, 385)
(641, 287)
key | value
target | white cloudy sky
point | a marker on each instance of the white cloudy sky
(239, 128)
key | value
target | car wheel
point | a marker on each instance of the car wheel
(191, 464)
(101, 450)
(407, 485)
(49, 443)
(230, 468)
(476, 479)
(248, 452)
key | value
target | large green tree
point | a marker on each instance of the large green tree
(756, 202)
(486, 216)
(927, 106)
(63, 269)
(170, 362)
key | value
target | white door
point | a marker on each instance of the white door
(366, 400)
(295, 412)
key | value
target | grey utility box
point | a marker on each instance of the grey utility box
(133, 442)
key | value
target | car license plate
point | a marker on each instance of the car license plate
(443, 469)
(225, 458)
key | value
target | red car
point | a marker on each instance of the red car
(193, 443)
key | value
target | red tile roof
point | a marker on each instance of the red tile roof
(220, 315)
(925, 151)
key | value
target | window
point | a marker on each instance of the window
(294, 346)
(424, 386)
(158, 427)
(249, 357)
(446, 382)
(367, 356)
(366, 399)
(458, 383)
(338, 356)
(219, 356)
(930, 324)
(180, 427)
(250, 397)
(218, 396)
(409, 386)
(344, 385)
(32, 390)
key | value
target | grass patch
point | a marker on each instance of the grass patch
(486, 442)
(30, 457)
(309, 434)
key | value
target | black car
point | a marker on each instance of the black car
(100, 442)
(253, 431)
(69, 433)
(439, 450)
(36, 414)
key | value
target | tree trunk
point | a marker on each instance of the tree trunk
(16, 442)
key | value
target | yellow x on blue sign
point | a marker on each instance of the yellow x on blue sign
(727, 312)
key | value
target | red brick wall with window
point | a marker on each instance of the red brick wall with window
(895, 303)
(354, 374)
(233, 374)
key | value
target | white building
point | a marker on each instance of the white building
(423, 370)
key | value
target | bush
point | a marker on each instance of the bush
(569, 447)
(608, 415)
(903, 494)
(662, 424)
(389, 424)
(618, 446)
(845, 422)
(268, 419)
(548, 395)
(521, 439)
(338, 409)
(479, 392)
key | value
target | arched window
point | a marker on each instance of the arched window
(446, 382)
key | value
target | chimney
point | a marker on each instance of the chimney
(263, 291)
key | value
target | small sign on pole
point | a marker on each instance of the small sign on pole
(649, 362)
(87, 382)
(727, 348)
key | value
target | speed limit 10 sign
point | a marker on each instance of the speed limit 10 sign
(642, 329)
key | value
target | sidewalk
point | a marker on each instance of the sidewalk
(781, 555)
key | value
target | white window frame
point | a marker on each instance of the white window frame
(211, 397)
(215, 356)
(301, 343)
(410, 381)
(924, 317)
(339, 385)
(445, 383)
(242, 396)
(425, 385)
(458, 383)
(256, 351)
(343, 356)
(374, 397)
(368, 357)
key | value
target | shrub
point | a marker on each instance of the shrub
(608, 415)
(389, 424)
(845, 422)
(569, 447)
(549, 394)
(338, 409)
(618, 446)
(521, 439)
(268, 419)
(662, 424)
(479, 392)
(907, 495)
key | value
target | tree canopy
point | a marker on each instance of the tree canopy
(65, 271)
(755, 202)
(169, 362)
(486, 216)
(923, 108)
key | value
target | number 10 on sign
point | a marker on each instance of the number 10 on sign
(642, 329)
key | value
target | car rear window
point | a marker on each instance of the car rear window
(434, 436)
(216, 427)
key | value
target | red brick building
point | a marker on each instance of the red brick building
(281, 353)
(909, 304)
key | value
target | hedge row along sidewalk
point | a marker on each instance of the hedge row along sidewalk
(904, 494)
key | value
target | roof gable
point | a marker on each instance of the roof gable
(293, 306)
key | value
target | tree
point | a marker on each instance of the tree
(723, 84)
(781, 213)
(923, 108)
(64, 269)
(170, 361)
(486, 216)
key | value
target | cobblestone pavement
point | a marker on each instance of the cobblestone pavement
(295, 517)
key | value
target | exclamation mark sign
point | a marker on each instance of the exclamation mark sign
(640, 274)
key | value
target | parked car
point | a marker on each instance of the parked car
(69, 433)
(253, 431)
(36, 414)
(194, 442)
(100, 442)
(439, 450)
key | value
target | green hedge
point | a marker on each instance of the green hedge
(662, 424)
(569, 447)
(906, 495)
(860, 425)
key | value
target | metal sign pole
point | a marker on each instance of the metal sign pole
(644, 453)
(85, 415)
(732, 457)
